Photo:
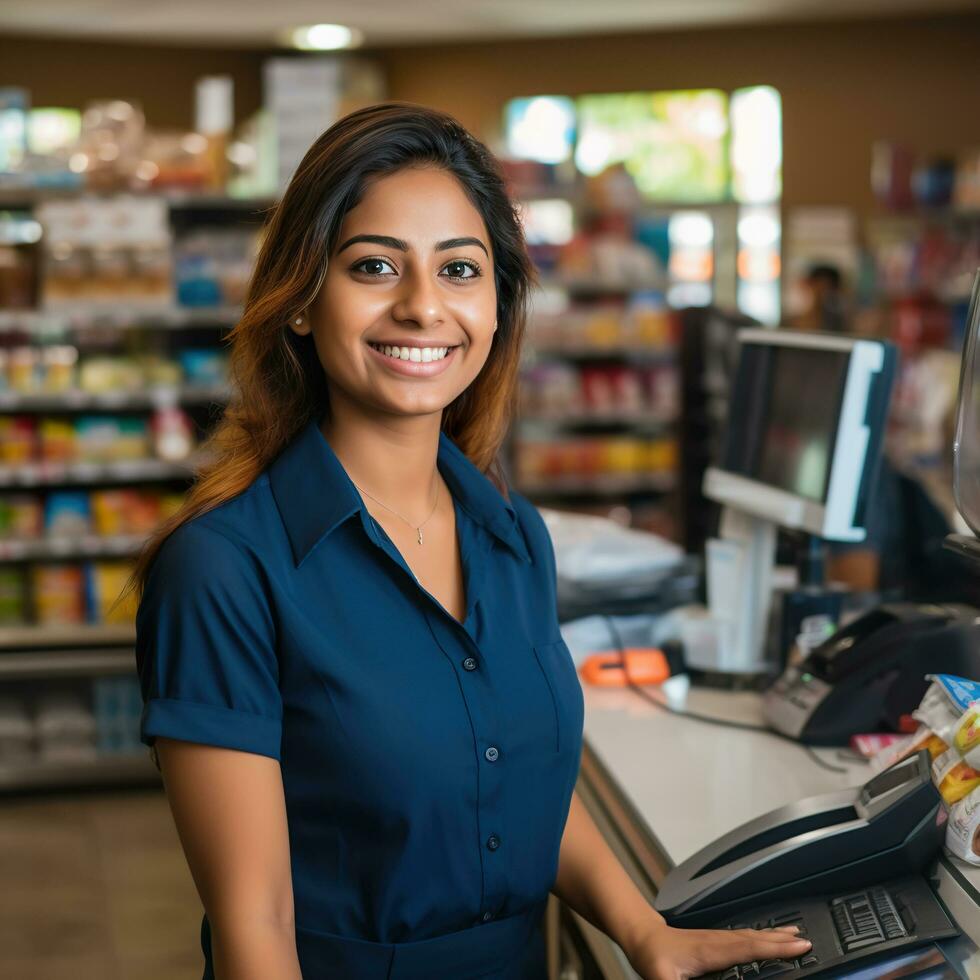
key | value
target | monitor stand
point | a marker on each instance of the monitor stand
(739, 579)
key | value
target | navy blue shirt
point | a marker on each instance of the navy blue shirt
(428, 765)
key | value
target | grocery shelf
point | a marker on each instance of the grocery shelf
(12, 195)
(121, 769)
(81, 546)
(634, 354)
(599, 421)
(600, 486)
(66, 663)
(83, 401)
(587, 287)
(82, 636)
(32, 474)
(119, 315)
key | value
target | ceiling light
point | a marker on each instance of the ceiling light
(325, 37)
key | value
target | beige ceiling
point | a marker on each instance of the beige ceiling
(246, 23)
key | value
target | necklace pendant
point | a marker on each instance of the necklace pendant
(420, 534)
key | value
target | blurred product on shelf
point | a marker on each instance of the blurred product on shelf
(80, 722)
(20, 233)
(16, 732)
(902, 179)
(13, 596)
(106, 250)
(70, 593)
(67, 514)
(64, 727)
(212, 266)
(58, 591)
(173, 434)
(95, 438)
(643, 324)
(614, 392)
(924, 266)
(57, 369)
(596, 462)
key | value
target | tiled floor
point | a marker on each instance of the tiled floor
(95, 887)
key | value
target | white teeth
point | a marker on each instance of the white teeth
(417, 354)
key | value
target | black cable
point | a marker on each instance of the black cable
(706, 719)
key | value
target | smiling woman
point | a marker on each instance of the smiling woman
(370, 736)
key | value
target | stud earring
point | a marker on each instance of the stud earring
(298, 320)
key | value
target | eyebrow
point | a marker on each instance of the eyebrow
(402, 246)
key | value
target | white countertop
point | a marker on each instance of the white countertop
(692, 782)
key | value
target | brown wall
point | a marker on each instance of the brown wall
(843, 84)
(71, 73)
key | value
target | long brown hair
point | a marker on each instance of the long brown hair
(278, 382)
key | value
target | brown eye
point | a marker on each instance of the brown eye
(459, 268)
(371, 267)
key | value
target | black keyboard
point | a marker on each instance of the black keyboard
(852, 928)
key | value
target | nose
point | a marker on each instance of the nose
(419, 301)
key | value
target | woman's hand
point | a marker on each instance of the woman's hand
(665, 953)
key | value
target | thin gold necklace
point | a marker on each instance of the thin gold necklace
(418, 528)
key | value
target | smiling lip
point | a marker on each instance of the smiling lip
(413, 343)
(415, 369)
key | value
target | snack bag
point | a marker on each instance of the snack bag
(966, 735)
(954, 777)
(945, 701)
(963, 828)
(922, 738)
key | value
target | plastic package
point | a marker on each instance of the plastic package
(16, 732)
(945, 701)
(954, 778)
(65, 727)
(963, 828)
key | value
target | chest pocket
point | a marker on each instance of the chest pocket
(556, 664)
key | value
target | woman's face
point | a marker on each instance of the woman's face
(412, 268)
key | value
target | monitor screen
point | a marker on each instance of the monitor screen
(784, 417)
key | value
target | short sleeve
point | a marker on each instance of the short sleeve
(205, 646)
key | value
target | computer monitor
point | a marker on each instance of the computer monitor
(806, 422)
(805, 431)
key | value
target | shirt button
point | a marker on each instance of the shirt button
(487, 916)
(493, 842)
(492, 754)
(469, 664)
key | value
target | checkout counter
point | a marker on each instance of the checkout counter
(661, 787)
(801, 453)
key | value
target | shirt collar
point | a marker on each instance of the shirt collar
(314, 494)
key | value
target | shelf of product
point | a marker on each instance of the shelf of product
(644, 326)
(72, 730)
(599, 394)
(603, 465)
(32, 322)
(66, 663)
(599, 391)
(63, 593)
(92, 448)
(73, 636)
(80, 523)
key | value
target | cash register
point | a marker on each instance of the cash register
(862, 872)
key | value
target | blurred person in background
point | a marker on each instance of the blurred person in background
(825, 300)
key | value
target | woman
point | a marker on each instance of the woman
(368, 725)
